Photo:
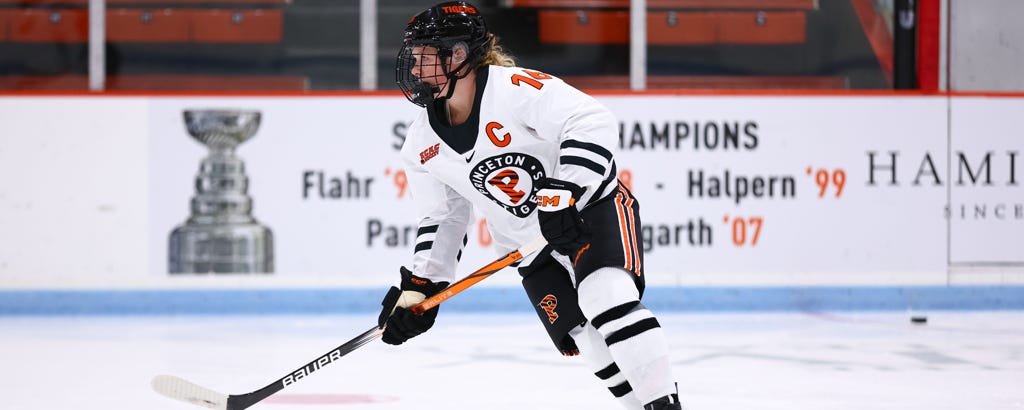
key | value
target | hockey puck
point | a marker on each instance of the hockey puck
(919, 319)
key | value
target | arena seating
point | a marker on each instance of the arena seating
(681, 23)
(49, 33)
(155, 40)
(163, 25)
(673, 22)
(155, 82)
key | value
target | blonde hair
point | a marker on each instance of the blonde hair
(496, 54)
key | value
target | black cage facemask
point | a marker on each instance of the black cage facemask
(430, 40)
(432, 74)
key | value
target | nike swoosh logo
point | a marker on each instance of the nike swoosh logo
(470, 158)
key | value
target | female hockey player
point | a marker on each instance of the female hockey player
(535, 156)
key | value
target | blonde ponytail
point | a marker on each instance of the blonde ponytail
(496, 55)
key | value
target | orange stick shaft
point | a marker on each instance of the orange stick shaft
(479, 275)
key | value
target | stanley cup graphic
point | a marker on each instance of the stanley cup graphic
(221, 236)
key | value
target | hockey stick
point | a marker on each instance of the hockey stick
(184, 390)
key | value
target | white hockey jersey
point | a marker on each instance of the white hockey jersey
(527, 125)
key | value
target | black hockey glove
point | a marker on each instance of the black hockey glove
(560, 221)
(401, 323)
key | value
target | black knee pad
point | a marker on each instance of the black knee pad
(613, 240)
(553, 297)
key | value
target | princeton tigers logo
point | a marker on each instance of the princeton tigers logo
(549, 303)
(509, 180)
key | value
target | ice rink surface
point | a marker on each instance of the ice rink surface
(723, 361)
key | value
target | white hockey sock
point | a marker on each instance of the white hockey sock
(634, 339)
(600, 361)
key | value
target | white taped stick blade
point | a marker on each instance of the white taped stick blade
(184, 390)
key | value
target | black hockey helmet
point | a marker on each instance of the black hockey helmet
(442, 28)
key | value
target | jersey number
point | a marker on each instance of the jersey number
(532, 80)
(517, 79)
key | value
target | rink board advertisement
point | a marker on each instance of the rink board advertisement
(987, 196)
(726, 185)
(322, 180)
(734, 190)
(783, 185)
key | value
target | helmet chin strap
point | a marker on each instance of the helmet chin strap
(423, 92)
(454, 76)
(444, 99)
